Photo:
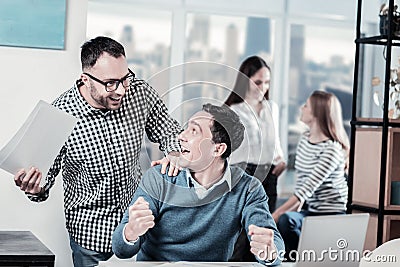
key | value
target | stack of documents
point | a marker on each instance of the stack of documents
(38, 141)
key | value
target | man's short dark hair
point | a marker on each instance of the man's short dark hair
(94, 48)
(227, 127)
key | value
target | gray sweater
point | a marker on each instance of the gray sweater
(192, 229)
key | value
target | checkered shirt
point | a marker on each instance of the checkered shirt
(100, 160)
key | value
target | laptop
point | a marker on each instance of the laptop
(332, 241)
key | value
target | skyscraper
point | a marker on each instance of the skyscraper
(231, 46)
(297, 62)
(298, 91)
(127, 39)
(258, 36)
(199, 32)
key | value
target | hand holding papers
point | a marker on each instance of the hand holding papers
(38, 141)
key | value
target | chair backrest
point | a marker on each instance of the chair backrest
(386, 255)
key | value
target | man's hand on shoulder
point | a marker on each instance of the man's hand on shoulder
(172, 159)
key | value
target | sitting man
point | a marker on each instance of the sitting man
(198, 215)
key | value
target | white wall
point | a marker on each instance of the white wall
(28, 75)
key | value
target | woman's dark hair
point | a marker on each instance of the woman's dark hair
(94, 48)
(247, 69)
(227, 127)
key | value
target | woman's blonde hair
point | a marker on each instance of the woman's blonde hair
(327, 110)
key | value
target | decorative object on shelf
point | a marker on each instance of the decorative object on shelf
(375, 81)
(384, 20)
(377, 96)
(394, 93)
(396, 114)
(378, 99)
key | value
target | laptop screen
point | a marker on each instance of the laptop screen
(333, 240)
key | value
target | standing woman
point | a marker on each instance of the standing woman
(260, 154)
(321, 162)
(250, 100)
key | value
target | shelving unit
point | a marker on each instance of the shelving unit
(375, 148)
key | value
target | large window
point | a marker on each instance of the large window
(145, 34)
(321, 58)
(309, 47)
(225, 40)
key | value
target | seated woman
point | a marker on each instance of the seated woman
(321, 162)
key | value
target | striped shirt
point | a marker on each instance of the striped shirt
(100, 160)
(320, 175)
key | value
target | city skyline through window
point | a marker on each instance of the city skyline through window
(320, 58)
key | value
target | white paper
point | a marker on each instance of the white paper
(38, 141)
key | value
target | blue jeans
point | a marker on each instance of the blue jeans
(83, 257)
(289, 225)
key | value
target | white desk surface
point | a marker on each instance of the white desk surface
(115, 262)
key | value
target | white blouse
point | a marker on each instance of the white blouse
(261, 144)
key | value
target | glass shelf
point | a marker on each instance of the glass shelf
(375, 122)
(379, 40)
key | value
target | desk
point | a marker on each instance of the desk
(22, 248)
(115, 262)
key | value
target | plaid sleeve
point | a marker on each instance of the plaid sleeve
(160, 126)
(50, 178)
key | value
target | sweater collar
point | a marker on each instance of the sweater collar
(191, 182)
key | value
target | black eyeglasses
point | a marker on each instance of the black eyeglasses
(112, 84)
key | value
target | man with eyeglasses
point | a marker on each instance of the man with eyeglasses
(100, 159)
